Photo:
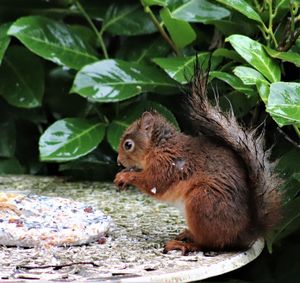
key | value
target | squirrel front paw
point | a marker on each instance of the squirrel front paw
(122, 180)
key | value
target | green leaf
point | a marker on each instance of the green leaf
(116, 80)
(162, 3)
(22, 85)
(11, 166)
(200, 12)
(254, 53)
(289, 163)
(57, 99)
(115, 131)
(233, 26)
(240, 104)
(230, 54)
(263, 89)
(243, 7)
(249, 76)
(296, 176)
(93, 166)
(289, 169)
(291, 221)
(143, 49)
(291, 188)
(119, 125)
(86, 34)
(180, 31)
(291, 57)
(129, 20)
(181, 69)
(53, 41)
(284, 103)
(233, 81)
(8, 139)
(70, 138)
(95, 9)
(4, 39)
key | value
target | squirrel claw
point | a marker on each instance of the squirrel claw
(210, 253)
(122, 180)
(185, 248)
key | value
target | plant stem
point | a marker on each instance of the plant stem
(161, 30)
(288, 138)
(257, 6)
(89, 20)
(271, 18)
(297, 130)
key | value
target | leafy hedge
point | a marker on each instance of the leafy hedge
(74, 74)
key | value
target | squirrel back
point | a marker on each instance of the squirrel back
(247, 144)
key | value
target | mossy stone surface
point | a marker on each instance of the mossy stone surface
(132, 250)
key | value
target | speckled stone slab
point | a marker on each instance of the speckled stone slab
(132, 249)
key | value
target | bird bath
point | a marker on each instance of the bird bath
(132, 249)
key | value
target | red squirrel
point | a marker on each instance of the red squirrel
(223, 180)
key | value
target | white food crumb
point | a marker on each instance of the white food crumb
(153, 190)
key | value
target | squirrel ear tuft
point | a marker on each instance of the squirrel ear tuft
(147, 121)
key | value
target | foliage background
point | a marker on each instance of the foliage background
(74, 75)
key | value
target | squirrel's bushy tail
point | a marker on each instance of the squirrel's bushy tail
(210, 120)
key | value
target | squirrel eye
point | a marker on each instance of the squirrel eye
(128, 145)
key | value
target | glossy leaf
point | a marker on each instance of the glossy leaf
(291, 220)
(233, 81)
(254, 53)
(289, 163)
(96, 165)
(284, 103)
(11, 166)
(263, 89)
(125, 19)
(8, 139)
(87, 34)
(95, 9)
(116, 80)
(240, 104)
(291, 57)
(180, 31)
(249, 76)
(70, 138)
(200, 11)
(162, 3)
(226, 53)
(4, 39)
(53, 41)
(118, 126)
(143, 49)
(243, 7)
(57, 96)
(233, 26)
(22, 85)
(181, 69)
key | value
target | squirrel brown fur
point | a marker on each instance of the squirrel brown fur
(223, 180)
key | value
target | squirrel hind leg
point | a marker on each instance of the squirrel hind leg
(185, 236)
(185, 248)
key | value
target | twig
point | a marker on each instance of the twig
(297, 130)
(98, 34)
(290, 42)
(288, 138)
(161, 30)
(59, 266)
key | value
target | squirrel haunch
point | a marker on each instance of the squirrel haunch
(223, 180)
